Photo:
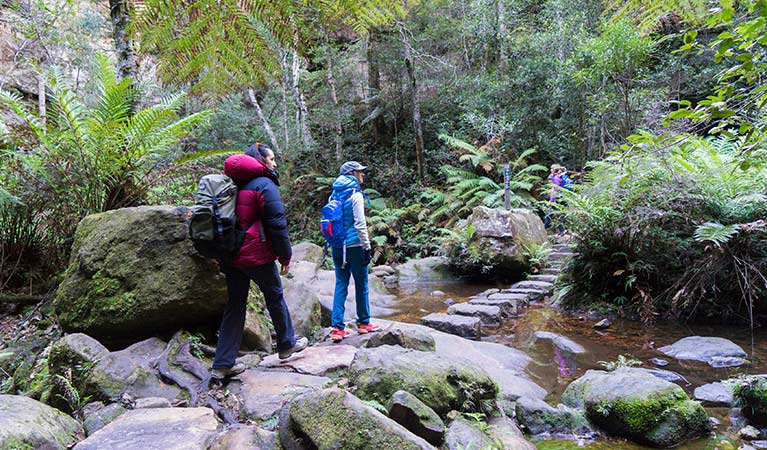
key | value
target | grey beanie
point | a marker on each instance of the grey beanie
(350, 166)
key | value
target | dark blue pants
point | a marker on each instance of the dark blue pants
(355, 266)
(267, 278)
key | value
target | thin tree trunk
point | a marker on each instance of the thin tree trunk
(264, 121)
(284, 93)
(301, 110)
(466, 58)
(501, 11)
(126, 56)
(410, 66)
(375, 113)
(334, 96)
(41, 108)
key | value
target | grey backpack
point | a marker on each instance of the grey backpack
(212, 221)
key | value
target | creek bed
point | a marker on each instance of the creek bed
(554, 370)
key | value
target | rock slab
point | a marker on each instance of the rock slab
(27, 423)
(703, 348)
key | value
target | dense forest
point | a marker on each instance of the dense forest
(656, 108)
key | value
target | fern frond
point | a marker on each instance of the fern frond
(715, 233)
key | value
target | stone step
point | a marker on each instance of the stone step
(509, 303)
(542, 286)
(561, 256)
(464, 326)
(489, 315)
(551, 271)
(562, 247)
(545, 278)
(531, 294)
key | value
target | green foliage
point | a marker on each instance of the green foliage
(644, 219)
(537, 255)
(93, 158)
(622, 361)
(376, 405)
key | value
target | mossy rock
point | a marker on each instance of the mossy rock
(442, 384)
(332, 419)
(633, 403)
(27, 423)
(750, 394)
(134, 273)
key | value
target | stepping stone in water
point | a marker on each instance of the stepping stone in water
(531, 294)
(716, 351)
(544, 278)
(561, 342)
(714, 394)
(541, 286)
(488, 315)
(464, 326)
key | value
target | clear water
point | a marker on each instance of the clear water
(554, 370)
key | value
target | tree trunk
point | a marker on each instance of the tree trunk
(284, 93)
(41, 108)
(375, 114)
(264, 121)
(126, 56)
(410, 66)
(334, 96)
(301, 110)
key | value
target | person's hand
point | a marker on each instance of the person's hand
(367, 256)
(285, 269)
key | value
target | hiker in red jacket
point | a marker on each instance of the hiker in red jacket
(261, 214)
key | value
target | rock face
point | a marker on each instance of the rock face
(133, 273)
(706, 349)
(464, 326)
(637, 405)
(498, 242)
(332, 419)
(165, 428)
(263, 393)
(415, 339)
(437, 381)
(714, 394)
(433, 268)
(540, 417)
(405, 409)
(131, 371)
(27, 423)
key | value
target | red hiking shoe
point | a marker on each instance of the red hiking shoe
(364, 328)
(338, 335)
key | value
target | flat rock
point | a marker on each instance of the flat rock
(508, 307)
(551, 271)
(241, 437)
(27, 423)
(156, 429)
(263, 393)
(560, 256)
(316, 360)
(464, 326)
(541, 286)
(489, 315)
(531, 294)
(544, 278)
(561, 342)
(432, 268)
(726, 361)
(703, 348)
(714, 394)
(98, 419)
(328, 418)
(394, 335)
(659, 362)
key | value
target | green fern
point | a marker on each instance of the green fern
(715, 233)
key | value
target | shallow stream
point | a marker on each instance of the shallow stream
(554, 370)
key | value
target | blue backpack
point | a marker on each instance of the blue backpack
(567, 182)
(332, 222)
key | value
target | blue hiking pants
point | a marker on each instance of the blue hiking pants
(355, 266)
(267, 278)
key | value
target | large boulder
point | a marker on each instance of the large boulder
(27, 423)
(635, 404)
(162, 428)
(432, 268)
(443, 384)
(712, 350)
(498, 241)
(304, 305)
(133, 273)
(333, 419)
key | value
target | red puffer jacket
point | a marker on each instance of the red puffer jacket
(260, 209)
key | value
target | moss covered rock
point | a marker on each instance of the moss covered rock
(27, 423)
(134, 273)
(750, 393)
(443, 384)
(334, 419)
(405, 409)
(498, 241)
(633, 403)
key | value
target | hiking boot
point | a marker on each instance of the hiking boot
(220, 374)
(364, 328)
(300, 345)
(338, 334)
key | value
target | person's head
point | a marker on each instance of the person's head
(354, 169)
(555, 169)
(263, 153)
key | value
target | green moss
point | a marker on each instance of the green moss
(18, 445)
